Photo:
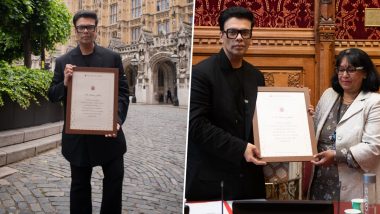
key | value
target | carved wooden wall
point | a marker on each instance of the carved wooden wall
(285, 56)
(302, 53)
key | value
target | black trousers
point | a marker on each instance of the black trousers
(80, 193)
(169, 98)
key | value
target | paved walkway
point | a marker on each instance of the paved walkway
(154, 169)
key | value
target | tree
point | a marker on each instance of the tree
(31, 26)
(14, 15)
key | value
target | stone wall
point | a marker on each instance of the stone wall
(12, 116)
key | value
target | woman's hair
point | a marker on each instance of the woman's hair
(357, 58)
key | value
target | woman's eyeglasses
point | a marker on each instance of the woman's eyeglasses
(348, 69)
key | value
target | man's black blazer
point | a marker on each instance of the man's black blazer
(91, 150)
(222, 103)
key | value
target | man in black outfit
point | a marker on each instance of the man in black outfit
(169, 96)
(86, 151)
(222, 103)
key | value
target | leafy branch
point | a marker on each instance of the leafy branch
(22, 84)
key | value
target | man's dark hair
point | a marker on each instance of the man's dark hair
(237, 12)
(357, 58)
(85, 14)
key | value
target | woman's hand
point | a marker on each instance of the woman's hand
(325, 158)
(310, 110)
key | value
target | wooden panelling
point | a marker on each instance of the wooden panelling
(285, 51)
(285, 56)
(371, 47)
(299, 41)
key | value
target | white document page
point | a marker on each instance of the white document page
(92, 101)
(283, 124)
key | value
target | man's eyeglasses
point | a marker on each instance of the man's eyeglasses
(82, 28)
(233, 33)
(349, 70)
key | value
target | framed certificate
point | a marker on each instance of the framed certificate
(92, 98)
(283, 129)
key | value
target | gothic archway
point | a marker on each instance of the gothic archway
(164, 80)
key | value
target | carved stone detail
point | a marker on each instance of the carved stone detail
(162, 15)
(136, 21)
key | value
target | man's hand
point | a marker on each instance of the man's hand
(113, 135)
(252, 155)
(325, 158)
(68, 72)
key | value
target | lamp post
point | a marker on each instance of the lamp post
(175, 59)
(134, 63)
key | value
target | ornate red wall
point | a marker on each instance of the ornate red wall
(294, 14)
(350, 20)
(268, 13)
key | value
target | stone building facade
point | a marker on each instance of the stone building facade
(154, 39)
